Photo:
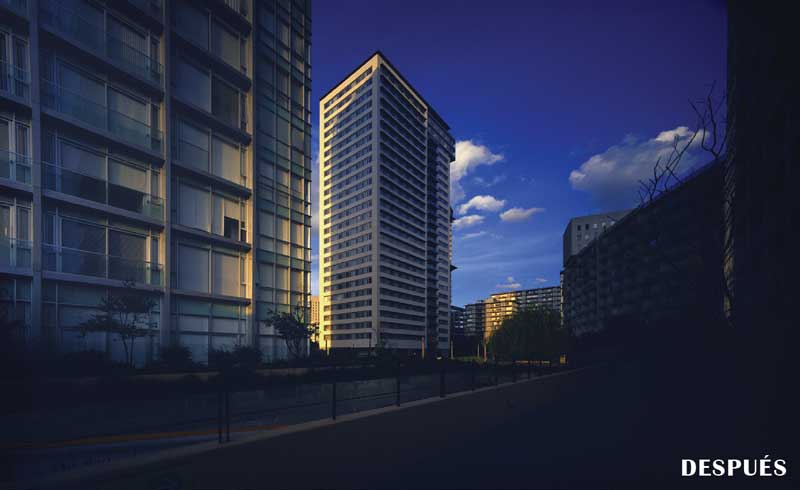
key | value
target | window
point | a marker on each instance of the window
(226, 274)
(193, 85)
(193, 268)
(283, 229)
(227, 161)
(193, 146)
(225, 44)
(193, 23)
(194, 207)
(225, 102)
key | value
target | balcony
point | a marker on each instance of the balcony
(71, 25)
(75, 261)
(15, 253)
(18, 6)
(83, 185)
(14, 166)
(15, 81)
(239, 6)
(72, 104)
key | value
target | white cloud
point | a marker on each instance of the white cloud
(509, 284)
(519, 214)
(468, 156)
(482, 203)
(473, 235)
(612, 177)
(490, 182)
(469, 220)
(540, 280)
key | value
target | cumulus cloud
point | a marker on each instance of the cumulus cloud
(473, 235)
(540, 280)
(489, 182)
(612, 177)
(469, 155)
(468, 220)
(519, 214)
(509, 284)
(482, 203)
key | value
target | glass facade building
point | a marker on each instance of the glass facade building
(385, 234)
(164, 143)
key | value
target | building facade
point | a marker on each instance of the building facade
(500, 306)
(660, 263)
(475, 318)
(315, 310)
(163, 143)
(385, 234)
(582, 230)
(458, 321)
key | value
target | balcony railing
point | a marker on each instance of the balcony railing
(20, 6)
(95, 189)
(15, 253)
(94, 114)
(72, 25)
(14, 81)
(239, 6)
(14, 166)
(85, 263)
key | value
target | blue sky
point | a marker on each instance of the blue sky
(558, 108)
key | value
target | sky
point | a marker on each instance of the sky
(557, 108)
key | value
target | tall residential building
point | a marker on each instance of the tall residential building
(385, 214)
(458, 321)
(475, 318)
(161, 142)
(582, 230)
(500, 306)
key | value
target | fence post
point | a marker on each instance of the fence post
(333, 400)
(397, 389)
(513, 370)
(441, 382)
(472, 376)
(219, 415)
(529, 369)
(228, 415)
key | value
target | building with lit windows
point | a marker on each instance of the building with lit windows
(385, 236)
(161, 142)
(500, 306)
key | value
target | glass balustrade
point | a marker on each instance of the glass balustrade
(73, 25)
(15, 253)
(98, 189)
(66, 101)
(82, 262)
(14, 81)
(14, 166)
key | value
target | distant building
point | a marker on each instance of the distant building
(458, 321)
(315, 310)
(582, 230)
(659, 263)
(500, 306)
(475, 319)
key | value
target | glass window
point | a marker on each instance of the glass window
(226, 274)
(225, 102)
(266, 275)
(193, 268)
(127, 106)
(193, 23)
(225, 44)
(283, 229)
(193, 146)
(193, 84)
(84, 161)
(127, 176)
(194, 207)
(266, 224)
(227, 162)
(282, 278)
(83, 236)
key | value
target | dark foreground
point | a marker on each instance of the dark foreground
(625, 424)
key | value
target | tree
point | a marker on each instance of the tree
(293, 329)
(531, 333)
(125, 313)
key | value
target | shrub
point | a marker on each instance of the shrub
(176, 357)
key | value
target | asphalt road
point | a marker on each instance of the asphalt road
(608, 427)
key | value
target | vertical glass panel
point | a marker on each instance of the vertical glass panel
(282, 278)
(193, 268)
(225, 102)
(227, 161)
(193, 146)
(194, 84)
(193, 23)
(226, 274)
(194, 207)
(225, 44)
